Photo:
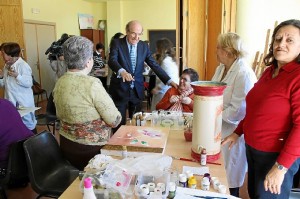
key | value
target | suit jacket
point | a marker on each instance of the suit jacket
(119, 58)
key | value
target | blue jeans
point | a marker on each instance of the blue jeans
(259, 164)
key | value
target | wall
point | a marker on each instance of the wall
(64, 13)
(148, 12)
(153, 14)
(255, 17)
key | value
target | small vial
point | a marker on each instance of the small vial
(124, 152)
(182, 180)
(138, 120)
(203, 157)
(192, 183)
(205, 184)
(143, 121)
(172, 190)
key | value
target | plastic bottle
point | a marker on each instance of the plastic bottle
(203, 157)
(88, 191)
(182, 180)
(138, 120)
(172, 190)
(143, 121)
(124, 152)
(205, 184)
(192, 183)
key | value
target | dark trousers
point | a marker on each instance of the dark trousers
(133, 104)
(259, 164)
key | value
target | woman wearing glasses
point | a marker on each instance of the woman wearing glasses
(181, 99)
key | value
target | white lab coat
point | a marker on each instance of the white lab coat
(239, 79)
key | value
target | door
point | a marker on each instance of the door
(38, 38)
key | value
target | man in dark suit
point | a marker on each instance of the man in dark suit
(126, 60)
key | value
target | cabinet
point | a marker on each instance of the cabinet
(96, 36)
(202, 22)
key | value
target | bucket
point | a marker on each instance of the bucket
(207, 118)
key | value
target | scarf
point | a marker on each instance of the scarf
(177, 106)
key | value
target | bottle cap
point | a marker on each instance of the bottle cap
(205, 180)
(182, 177)
(172, 186)
(192, 180)
(144, 189)
(151, 186)
(87, 183)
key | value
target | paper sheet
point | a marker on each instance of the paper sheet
(187, 193)
(196, 170)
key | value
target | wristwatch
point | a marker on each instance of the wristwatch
(280, 167)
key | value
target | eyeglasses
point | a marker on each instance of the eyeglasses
(184, 79)
(134, 34)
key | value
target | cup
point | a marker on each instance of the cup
(154, 118)
(173, 174)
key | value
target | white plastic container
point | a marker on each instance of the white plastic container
(88, 191)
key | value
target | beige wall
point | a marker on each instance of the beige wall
(255, 17)
(64, 13)
(154, 14)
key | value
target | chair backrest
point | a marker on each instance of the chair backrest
(50, 109)
(43, 156)
(16, 173)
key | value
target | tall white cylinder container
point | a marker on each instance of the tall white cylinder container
(207, 119)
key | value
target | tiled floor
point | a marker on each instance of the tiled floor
(28, 193)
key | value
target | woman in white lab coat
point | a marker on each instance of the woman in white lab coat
(240, 78)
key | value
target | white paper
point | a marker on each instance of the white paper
(187, 193)
(196, 170)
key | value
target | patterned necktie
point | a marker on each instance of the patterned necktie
(132, 57)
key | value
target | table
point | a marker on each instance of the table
(176, 146)
(25, 110)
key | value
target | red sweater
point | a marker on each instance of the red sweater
(272, 121)
(165, 101)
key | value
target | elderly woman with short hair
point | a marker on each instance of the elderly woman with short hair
(85, 110)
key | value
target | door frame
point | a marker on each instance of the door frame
(35, 22)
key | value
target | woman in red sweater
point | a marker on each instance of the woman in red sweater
(181, 99)
(272, 122)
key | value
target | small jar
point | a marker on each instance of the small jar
(203, 157)
(205, 184)
(172, 190)
(192, 183)
(182, 180)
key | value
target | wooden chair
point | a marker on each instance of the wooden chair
(38, 91)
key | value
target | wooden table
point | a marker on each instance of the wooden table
(176, 146)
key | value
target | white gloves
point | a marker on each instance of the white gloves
(186, 100)
(174, 99)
